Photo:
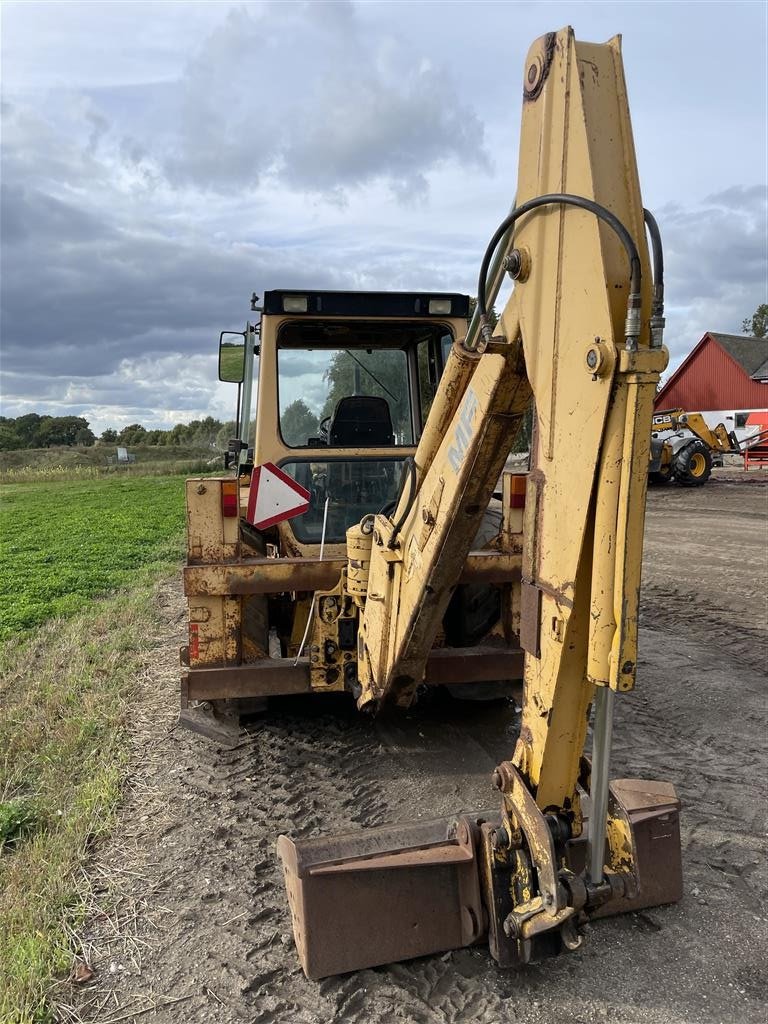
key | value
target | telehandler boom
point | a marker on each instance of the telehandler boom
(581, 334)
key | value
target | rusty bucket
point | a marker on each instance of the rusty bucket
(384, 894)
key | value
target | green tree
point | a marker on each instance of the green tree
(28, 429)
(64, 430)
(381, 372)
(9, 439)
(757, 324)
(177, 434)
(298, 423)
(204, 432)
(226, 432)
(134, 433)
(493, 316)
(109, 436)
(85, 436)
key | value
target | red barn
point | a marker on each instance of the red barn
(725, 377)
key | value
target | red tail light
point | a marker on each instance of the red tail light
(230, 505)
(517, 490)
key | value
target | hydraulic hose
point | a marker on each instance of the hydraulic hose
(632, 326)
(657, 308)
(410, 469)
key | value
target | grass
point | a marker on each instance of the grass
(61, 543)
(70, 463)
(65, 695)
(68, 669)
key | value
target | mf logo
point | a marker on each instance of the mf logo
(463, 435)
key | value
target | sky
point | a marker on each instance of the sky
(162, 161)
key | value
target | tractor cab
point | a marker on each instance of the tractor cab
(344, 382)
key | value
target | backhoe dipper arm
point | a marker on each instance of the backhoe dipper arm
(577, 334)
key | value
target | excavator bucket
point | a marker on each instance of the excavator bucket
(383, 894)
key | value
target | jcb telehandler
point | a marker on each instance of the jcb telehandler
(684, 447)
(385, 581)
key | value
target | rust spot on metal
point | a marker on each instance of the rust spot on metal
(449, 665)
(538, 70)
(279, 575)
(383, 894)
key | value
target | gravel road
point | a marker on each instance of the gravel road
(189, 921)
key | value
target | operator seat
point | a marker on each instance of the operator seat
(361, 421)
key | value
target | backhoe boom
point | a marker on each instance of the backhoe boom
(581, 336)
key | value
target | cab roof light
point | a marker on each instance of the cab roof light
(295, 304)
(440, 307)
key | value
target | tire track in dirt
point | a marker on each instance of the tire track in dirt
(197, 836)
(225, 939)
(289, 775)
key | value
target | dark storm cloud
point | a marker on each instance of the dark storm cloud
(319, 103)
(110, 252)
(86, 305)
(147, 192)
(30, 215)
(109, 272)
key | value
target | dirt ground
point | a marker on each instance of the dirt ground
(189, 920)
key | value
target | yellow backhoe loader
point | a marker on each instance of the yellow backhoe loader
(375, 543)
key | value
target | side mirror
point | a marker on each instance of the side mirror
(232, 356)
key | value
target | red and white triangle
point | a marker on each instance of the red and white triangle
(274, 496)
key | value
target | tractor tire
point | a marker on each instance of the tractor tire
(693, 465)
(472, 612)
(661, 478)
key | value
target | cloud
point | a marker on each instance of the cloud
(318, 104)
(138, 218)
(157, 170)
(716, 256)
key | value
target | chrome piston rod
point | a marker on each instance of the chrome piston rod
(602, 734)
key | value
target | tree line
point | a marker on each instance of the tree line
(35, 431)
(298, 421)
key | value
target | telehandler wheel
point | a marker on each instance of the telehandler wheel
(693, 465)
(661, 478)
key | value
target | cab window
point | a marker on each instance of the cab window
(356, 384)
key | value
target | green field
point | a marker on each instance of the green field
(63, 543)
(81, 564)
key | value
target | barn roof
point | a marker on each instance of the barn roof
(749, 353)
(723, 371)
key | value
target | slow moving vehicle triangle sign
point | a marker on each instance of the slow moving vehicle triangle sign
(274, 496)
